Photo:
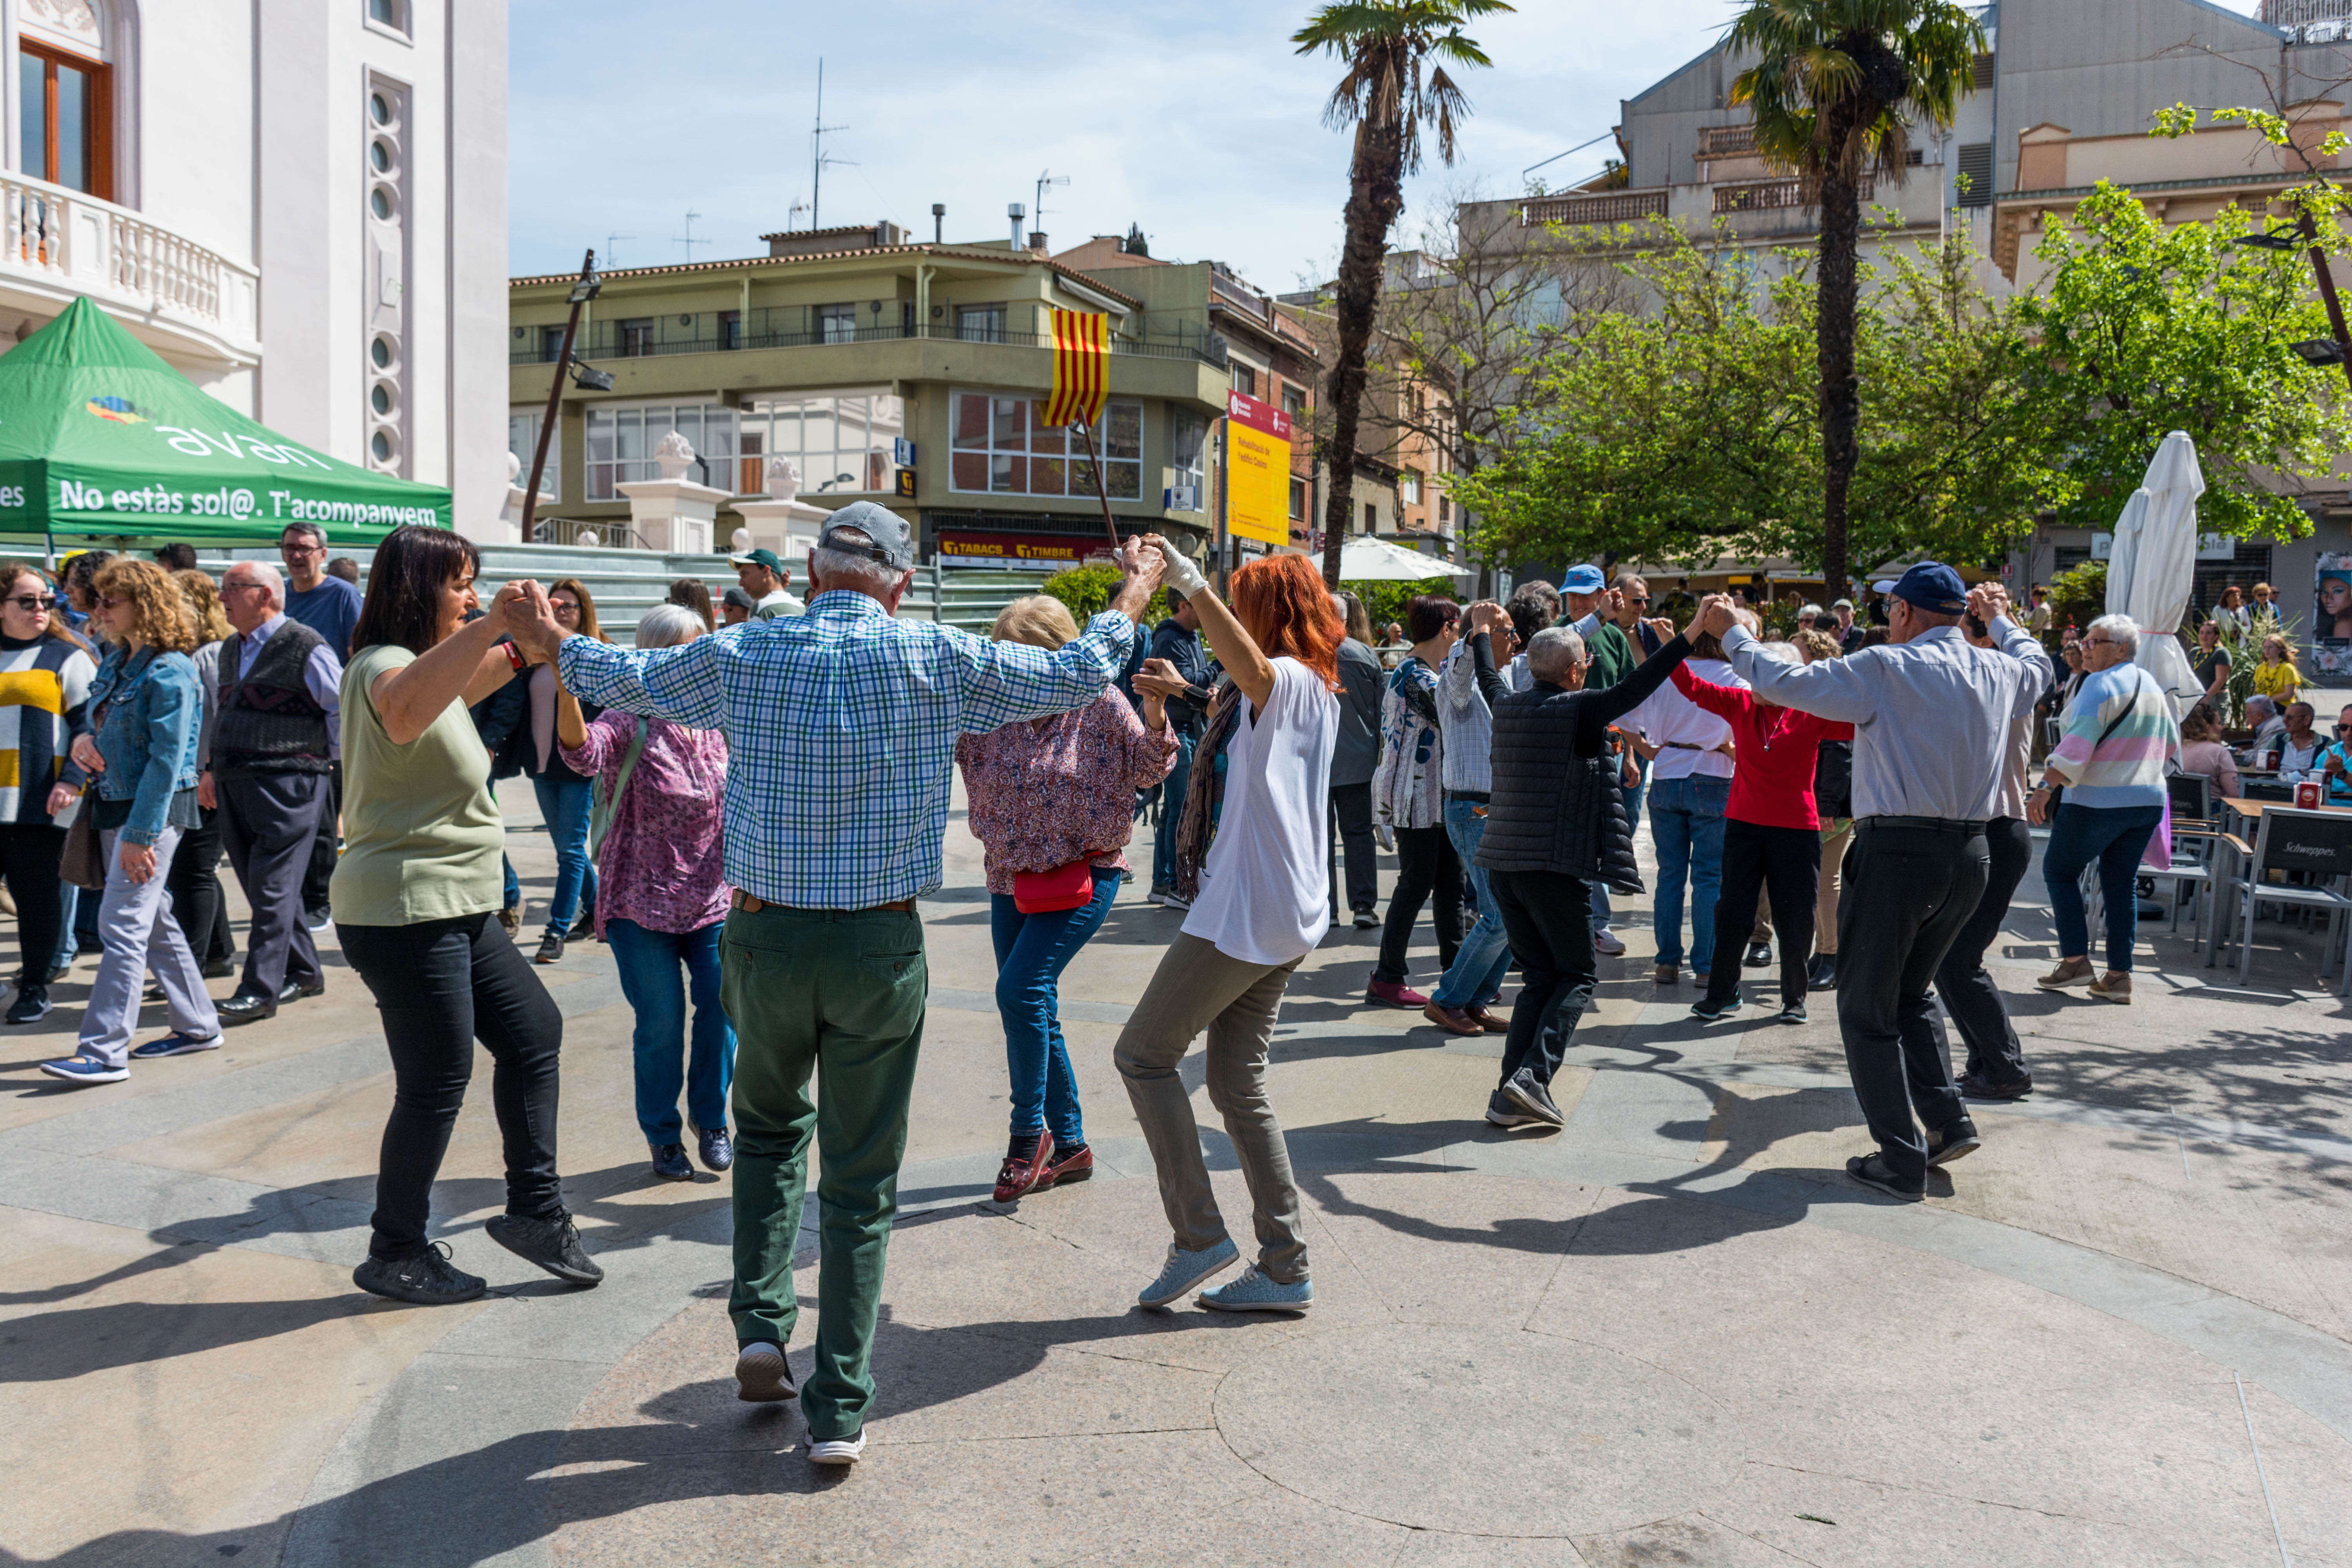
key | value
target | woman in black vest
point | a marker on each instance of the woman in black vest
(1556, 825)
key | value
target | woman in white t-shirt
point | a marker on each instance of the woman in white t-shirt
(1263, 905)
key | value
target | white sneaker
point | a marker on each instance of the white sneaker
(837, 1450)
(1176, 901)
(1605, 940)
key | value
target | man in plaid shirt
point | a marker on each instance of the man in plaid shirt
(841, 725)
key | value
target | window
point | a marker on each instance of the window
(1407, 488)
(68, 118)
(836, 324)
(634, 336)
(621, 443)
(551, 343)
(1294, 402)
(842, 443)
(980, 323)
(1976, 168)
(1244, 379)
(1372, 517)
(1003, 446)
(393, 14)
(1298, 499)
(1192, 431)
(731, 328)
(522, 440)
(1445, 508)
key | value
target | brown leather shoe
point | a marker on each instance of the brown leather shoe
(1453, 1020)
(1018, 1175)
(1485, 1018)
(1668, 974)
(2113, 986)
(1075, 1166)
(2070, 972)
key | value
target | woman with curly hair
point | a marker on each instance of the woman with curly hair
(146, 715)
(1263, 905)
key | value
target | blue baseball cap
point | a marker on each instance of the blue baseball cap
(1934, 587)
(1585, 579)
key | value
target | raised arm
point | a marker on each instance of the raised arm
(1723, 701)
(679, 683)
(1991, 603)
(1830, 688)
(467, 664)
(1242, 657)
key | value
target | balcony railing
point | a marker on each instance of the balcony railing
(1726, 140)
(1768, 195)
(1608, 206)
(711, 332)
(2311, 21)
(77, 244)
(1241, 294)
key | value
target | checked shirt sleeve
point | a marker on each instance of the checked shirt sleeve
(1008, 681)
(679, 684)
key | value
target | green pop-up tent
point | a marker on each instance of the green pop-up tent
(101, 438)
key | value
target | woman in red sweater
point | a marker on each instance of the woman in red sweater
(1771, 835)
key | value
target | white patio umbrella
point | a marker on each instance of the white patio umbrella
(2153, 567)
(1368, 560)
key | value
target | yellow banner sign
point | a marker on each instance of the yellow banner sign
(1257, 470)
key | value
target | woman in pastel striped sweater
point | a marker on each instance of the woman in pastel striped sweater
(2119, 734)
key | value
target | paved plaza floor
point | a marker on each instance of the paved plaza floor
(1674, 1333)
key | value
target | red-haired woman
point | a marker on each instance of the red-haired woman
(1262, 907)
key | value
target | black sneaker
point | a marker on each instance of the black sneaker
(1366, 921)
(1505, 1113)
(1760, 955)
(669, 1162)
(1711, 1011)
(1872, 1171)
(1794, 1012)
(584, 927)
(552, 1244)
(1976, 1086)
(1952, 1139)
(1824, 976)
(1534, 1097)
(427, 1280)
(550, 949)
(716, 1149)
(32, 1004)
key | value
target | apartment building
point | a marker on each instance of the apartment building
(887, 369)
(299, 203)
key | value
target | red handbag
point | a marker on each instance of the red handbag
(1067, 887)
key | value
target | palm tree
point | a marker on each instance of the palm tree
(1395, 84)
(1836, 89)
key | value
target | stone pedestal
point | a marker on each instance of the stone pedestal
(673, 514)
(787, 527)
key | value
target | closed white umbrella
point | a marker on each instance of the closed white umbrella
(2153, 569)
(1369, 560)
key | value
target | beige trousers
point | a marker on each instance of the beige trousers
(1825, 897)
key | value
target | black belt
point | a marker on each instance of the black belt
(1475, 796)
(1933, 823)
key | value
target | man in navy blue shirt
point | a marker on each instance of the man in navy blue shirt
(331, 608)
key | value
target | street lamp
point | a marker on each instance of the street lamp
(588, 378)
(2305, 233)
(586, 287)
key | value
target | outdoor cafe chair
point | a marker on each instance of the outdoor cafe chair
(2316, 843)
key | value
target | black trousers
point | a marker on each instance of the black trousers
(1548, 917)
(1908, 892)
(1351, 829)
(1428, 871)
(28, 859)
(1969, 993)
(439, 986)
(1787, 862)
(322, 847)
(193, 882)
(272, 821)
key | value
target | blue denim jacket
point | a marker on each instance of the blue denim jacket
(154, 713)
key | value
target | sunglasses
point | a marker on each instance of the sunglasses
(290, 548)
(34, 601)
(108, 602)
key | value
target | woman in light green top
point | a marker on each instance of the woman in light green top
(416, 896)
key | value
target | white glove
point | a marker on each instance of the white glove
(1183, 576)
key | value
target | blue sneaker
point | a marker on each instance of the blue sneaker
(1254, 1292)
(83, 1067)
(175, 1043)
(1185, 1270)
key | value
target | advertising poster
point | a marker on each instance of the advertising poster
(2331, 619)
(1257, 470)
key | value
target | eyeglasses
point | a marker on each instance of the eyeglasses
(108, 602)
(291, 547)
(563, 608)
(227, 588)
(1637, 598)
(34, 601)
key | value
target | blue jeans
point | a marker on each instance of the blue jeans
(2115, 837)
(1686, 823)
(1171, 815)
(1477, 977)
(649, 961)
(565, 804)
(1032, 951)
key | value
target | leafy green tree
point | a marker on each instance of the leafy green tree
(1396, 52)
(1087, 590)
(1835, 88)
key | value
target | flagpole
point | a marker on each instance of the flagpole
(1086, 430)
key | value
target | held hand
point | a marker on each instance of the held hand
(1660, 628)
(1714, 619)
(1182, 574)
(1612, 603)
(85, 753)
(205, 796)
(1159, 679)
(1988, 602)
(1483, 617)
(64, 796)
(137, 861)
(531, 620)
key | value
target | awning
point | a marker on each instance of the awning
(101, 439)
(1365, 558)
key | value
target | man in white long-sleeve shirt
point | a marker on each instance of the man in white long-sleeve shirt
(1690, 787)
(1931, 717)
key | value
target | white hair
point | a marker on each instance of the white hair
(666, 625)
(267, 576)
(839, 567)
(1553, 652)
(2122, 630)
(2267, 705)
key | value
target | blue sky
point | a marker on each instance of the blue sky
(1195, 120)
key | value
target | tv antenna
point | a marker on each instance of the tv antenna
(612, 240)
(687, 240)
(819, 159)
(1045, 179)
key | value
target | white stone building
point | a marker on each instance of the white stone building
(300, 204)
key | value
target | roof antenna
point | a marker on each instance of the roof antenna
(818, 157)
(687, 239)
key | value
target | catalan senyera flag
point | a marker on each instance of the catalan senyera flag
(1081, 367)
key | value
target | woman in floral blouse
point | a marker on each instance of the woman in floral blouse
(1408, 796)
(1044, 794)
(662, 902)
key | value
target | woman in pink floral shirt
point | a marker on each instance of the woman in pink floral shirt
(662, 903)
(1045, 793)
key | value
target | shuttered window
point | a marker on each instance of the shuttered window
(1976, 167)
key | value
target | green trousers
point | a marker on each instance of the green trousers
(843, 994)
